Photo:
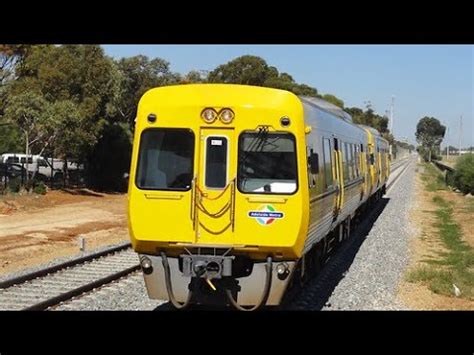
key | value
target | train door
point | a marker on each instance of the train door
(383, 164)
(374, 161)
(215, 186)
(339, 177)
(365, 169)
(379, 165)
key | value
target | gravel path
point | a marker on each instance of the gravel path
(364, 274)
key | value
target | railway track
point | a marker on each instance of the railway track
(322, 284)
(322, 281)
(51, 286)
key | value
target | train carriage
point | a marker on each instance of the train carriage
(233, 187)
(378, 160)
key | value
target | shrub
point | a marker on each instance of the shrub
(464, 174)
(14, 185)
(40, 188)
(29, 185)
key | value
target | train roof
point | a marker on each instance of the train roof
(327, 106)
(219, 94)
(371, 129)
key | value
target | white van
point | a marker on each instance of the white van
(36, 163)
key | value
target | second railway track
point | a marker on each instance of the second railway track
(51, 286)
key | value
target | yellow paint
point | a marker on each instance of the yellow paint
(168, 222)
(173, 220)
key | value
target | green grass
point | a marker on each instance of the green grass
(454, 266)
(470, 206)
(433, 178)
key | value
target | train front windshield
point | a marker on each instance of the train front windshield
(165, 160)
(267, 163)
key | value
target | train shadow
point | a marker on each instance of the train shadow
(316, 293)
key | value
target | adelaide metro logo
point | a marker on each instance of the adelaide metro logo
(266, 215)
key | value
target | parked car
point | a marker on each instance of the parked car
(12, 171)
(37, 165)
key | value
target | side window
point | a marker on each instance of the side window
(311, 177)
(41, 162)
(351, 149)
(350, 159)
(327, 162)
(345, 161)
(356, 148)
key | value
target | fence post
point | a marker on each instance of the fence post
(64, 172)
(52, 172)
(5, 177)
(22, 174)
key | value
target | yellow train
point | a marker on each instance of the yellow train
(237, 191)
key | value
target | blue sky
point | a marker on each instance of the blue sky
(425, 79)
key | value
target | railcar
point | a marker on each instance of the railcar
(235, 191)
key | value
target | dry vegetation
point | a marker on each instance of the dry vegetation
(442, 252)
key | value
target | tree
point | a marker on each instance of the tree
(66, 93)
(429, 133)
(192, 77)
(464, 174)
(139, 74)
(334, 100)
(305, 90)
(77, 85)
(26, 111)
(246, 70)
(110, 158)
(371, 119)
(68, 130)
(11, 138)
(10, 55)
(252, 70)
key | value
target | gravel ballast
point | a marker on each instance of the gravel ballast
(365, 273)
(126, 294)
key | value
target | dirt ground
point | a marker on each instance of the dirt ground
(35, 229)
(425, 243)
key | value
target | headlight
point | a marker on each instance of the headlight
(145, 263)
(282, 268)
(209, 115)
(226, 115)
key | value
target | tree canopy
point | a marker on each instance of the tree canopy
(73, 101)
(429, 133)
(252, 70)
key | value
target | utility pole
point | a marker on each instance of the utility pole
(460, 135)
(391, 115)
(447, 142)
